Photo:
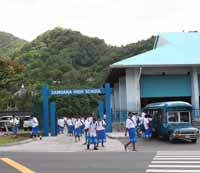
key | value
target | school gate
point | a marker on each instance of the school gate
(53, 123)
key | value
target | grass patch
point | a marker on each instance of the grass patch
(6, 139)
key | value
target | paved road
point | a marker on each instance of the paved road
(81, 162)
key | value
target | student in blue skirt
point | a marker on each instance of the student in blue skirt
(130, 128)
(147, 126)
(35, 127)
(77, 129)
(15, 125)
(61, 125)
(70, 126)
(92, 134)
(86, 128)
(101, 134)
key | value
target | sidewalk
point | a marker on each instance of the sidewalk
(61, 143)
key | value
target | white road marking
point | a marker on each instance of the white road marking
(174, 166)
(176, 162)
(178, 158)
(158, 156)
(172, 170)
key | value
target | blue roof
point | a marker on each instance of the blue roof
(181, 49)
(169, 104)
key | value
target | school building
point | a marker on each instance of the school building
(170, 71)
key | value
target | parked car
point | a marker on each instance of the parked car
(5, 123)
(27, 123)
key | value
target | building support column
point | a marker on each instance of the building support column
(122, 99)
(195, 92)
(116, 96)
(133, 89)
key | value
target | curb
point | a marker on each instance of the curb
(16, 143)
(116, 137)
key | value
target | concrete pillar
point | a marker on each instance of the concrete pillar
(112, 101)
(116, 96)
(133, 89)
(122, 93)
(195, 92)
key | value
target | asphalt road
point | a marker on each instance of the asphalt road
(80, 162)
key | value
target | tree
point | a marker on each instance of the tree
(10, 73)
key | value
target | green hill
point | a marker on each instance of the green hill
(63, 58)
(9, 44)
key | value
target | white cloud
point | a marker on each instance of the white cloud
(116, 21)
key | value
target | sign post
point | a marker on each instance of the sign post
(46, 93)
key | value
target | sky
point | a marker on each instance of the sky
(118, 22)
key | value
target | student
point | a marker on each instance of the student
(130, 128)
(77, 129)
(82, 125)
(86, 128)
(147, 126)
(35, 127)
(70, 126)
(15, 125)
(92, 134)
(101, 134)
(61, 125)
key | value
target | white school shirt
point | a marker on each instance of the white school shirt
(14, 121)
(61, 122)
(69, 122)
(92, 129)
(87, 124)
(35, 122)
(130, 123)
(146, 122)
(100, 125)
(77, 124)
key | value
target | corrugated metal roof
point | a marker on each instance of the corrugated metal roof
(183, 49)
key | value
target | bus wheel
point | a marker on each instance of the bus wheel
(194, 141)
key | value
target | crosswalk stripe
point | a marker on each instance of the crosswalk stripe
(178, 158)
(173, 170)
(158, 156)
(176, 162)
(174, 166)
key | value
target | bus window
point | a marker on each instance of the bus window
(185, 117)
(172, 117)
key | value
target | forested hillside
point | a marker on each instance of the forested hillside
(9, 44)
(63, 58)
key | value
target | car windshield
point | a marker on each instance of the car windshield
(173, 117)
(178, 117)
(184, 117)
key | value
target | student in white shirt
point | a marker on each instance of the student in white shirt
(61, 125)
(35, 127)
(86, 128)
(92, 134)
(70, 126)
(77, 129)
(147, 126)
(130, 128)
(15, 125)
(101, 134)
